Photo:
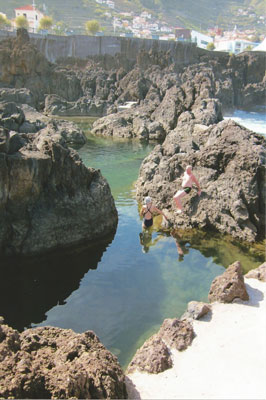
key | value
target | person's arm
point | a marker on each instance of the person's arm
(197, 183)
(160, 212)
(142, 211)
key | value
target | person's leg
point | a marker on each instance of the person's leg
(177, 198)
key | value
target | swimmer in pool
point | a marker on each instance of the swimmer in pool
(147, 211)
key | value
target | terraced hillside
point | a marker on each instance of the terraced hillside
(197, 14)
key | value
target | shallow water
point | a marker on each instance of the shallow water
(121, 289)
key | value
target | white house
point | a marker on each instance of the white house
(200, 39)
(234, 46)
(110, 3)
(32, 15)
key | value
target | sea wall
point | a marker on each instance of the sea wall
(55, 47)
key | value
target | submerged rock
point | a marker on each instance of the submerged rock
(48, 198)
(229, 286)
(49, 362)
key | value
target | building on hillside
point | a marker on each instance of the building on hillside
(110, 3)
(234, 46)
(182, 34)
(200, 39)
(145, 14)
(32, 15)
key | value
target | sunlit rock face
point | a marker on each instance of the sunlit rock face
(229, 162)
(48, 198)
(50, 362)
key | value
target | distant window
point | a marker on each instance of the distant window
(203, 42)
(25, 15)
(36, 17)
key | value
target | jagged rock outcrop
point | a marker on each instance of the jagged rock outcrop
(25, 119)
(229, 162)
(17, 96)
(258, 273)
(48, 198)
(55, 105)
(99, 87)
(229, 286)
(155, 354)
(49, 362)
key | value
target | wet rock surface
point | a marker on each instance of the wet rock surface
(51, 362)
(229, 286)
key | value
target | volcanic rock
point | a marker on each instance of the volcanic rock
(155, 354)
(258, 273)
(152, 357)
(196, 310)
(49, 362)
(229, 162)
(229, 286)
(49, 199)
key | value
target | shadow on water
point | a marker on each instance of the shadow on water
(30, 287)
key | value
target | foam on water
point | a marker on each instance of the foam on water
(254, 120)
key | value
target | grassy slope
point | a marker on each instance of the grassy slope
(190, 13)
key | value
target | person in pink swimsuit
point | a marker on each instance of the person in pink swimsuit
(187, 181)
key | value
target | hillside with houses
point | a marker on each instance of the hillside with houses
(147, 20)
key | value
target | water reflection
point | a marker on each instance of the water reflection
(223, 249)
(31, 287)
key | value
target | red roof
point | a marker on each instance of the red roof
(28, 8)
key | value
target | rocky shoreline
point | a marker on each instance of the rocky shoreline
(52, 362)
(50, 200)
(226, 358)
(179, 105)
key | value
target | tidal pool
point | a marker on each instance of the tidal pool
(135, 287)
(121, 289)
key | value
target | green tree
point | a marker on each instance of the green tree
(92, 27)
(46, 22)
(210, 46)
(21, 22)
(4, 22)
(60, 28)
(249, 48)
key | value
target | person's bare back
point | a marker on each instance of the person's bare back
(187, 181)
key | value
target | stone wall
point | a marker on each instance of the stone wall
(81, 46)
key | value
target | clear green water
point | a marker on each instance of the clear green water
(131, 292)
(119, 288)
